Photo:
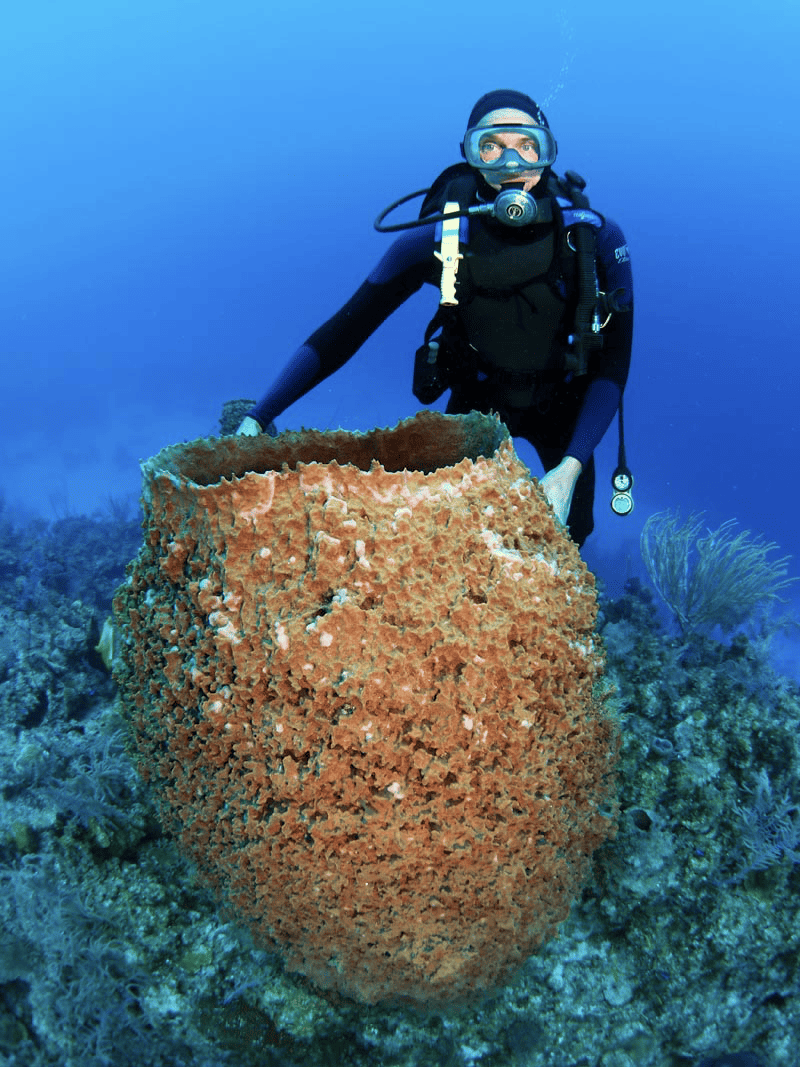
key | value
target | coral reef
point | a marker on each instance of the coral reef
(360, 674)
(57, 580)
(683, 946)
(721, 579)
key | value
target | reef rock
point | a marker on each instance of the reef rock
(359, 673)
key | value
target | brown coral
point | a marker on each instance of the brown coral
(359, 674)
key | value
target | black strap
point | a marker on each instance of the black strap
(622, 463)
(519, 379)
(460, 184)
(445, 318)
(587, 336)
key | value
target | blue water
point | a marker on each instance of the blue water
(188, 190)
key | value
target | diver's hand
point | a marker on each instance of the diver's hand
(249, 427)
(559, 485)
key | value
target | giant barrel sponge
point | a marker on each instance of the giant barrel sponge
(359, 671)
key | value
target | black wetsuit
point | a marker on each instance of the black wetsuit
(558, 413)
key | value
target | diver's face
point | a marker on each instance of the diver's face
(517, 141)
(526, 149)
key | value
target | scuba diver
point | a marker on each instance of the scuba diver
(535, 320)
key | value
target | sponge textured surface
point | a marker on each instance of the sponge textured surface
(359, 672)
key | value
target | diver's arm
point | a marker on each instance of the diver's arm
(608, 370)
(401, 272)
(296, 378)
(598, 409)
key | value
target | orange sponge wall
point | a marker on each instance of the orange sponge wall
(359, 674)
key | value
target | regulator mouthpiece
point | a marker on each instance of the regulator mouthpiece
(515, 207)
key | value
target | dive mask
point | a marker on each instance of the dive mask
(534, 148)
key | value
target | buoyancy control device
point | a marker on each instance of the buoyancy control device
(445, 356)
(451, 199)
